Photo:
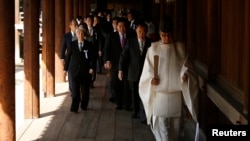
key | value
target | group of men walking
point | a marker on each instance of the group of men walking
(119, 45)
(153, 89)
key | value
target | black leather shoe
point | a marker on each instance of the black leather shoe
(144, 122)
(73, 110)
(112, 100)
(134, 116)
(84, 109)
(129, 109)
(118, 107)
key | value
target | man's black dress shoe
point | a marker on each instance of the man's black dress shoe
(73, 110)
(84, 109)
(129, 109)
(144, 122)
(118, 107)
(112, 99)
(134, 116)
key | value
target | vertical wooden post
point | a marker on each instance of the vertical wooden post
(68, 13)
(17, 42)
(86, 8)
(31, 58)
(7, 71)
(213, 37)
(246, 53)
(80, 12)
(101, 5)
(59, 32)
(190, 25)
(76, 8)
(48, 52)
(179, 20)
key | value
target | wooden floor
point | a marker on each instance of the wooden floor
(101, 122)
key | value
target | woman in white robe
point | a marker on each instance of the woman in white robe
(162, 95)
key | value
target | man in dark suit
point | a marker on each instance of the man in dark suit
(133, 57)
(66, 43)
(111, 95)
(68, 38)
(132, 22)
(94, 35)
(114, 45)
(79, 64)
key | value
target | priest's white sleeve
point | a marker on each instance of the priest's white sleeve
(145, 88)
(190, 89)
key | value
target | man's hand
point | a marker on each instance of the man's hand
(155, 81)
(65, 73)
(184, 78)
(62, 60)
(91, 71)
(100, 53)
(120, 75)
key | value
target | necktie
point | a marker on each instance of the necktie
(91, 31)
(74, 37)
(141, 45)
(80, 47)
(123, 40)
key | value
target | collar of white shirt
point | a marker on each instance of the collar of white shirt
(120, 34)
(80, 43)
(141, 41)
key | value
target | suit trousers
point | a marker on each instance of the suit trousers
(137, 104)
(120, 90)
(80, 91)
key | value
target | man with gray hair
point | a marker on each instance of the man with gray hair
(79, 64)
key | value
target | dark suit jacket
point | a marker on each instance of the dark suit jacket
(67, 39)
(96, 39)
(76, 61)
(113, 49)
(132, 57)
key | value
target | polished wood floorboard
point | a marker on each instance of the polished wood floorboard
(101, 122)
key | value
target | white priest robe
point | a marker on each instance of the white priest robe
(165, 99)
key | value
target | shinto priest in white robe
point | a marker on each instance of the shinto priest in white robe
(165, 99)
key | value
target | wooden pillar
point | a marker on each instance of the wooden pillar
(76, 8)
(7, 71)
(155, 19)
(180, 20)
(59, 32)
(68, 13)
(17, 38)
(101, 5)
(48, 49)
(80, 12)
(162, 8)
(86, 8)
(190, 27)
(213, 38)
(31, 58)
(246, 54)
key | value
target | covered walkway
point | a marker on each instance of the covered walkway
(215, 34)
(101, 122)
